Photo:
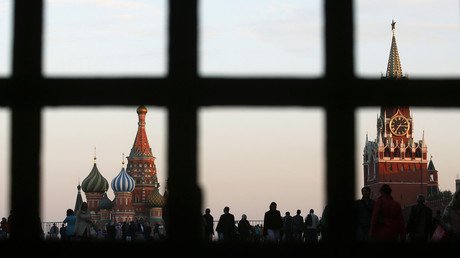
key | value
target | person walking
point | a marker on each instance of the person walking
(208, 225)
(131, 232)
(111, 231)
(118, 234)
(311, 227)
(451, 218)
(387, 223)
(4, 229)
(287, 227)
(364, 210)
(83, 223)
(244, 228)
(297, 226)
(53, 233)
(419, 224)
(70, 220)
(272, 223)
(226, 225)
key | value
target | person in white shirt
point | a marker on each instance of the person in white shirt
(311, 227)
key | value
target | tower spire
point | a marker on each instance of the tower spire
(394, 70)
(141, 145)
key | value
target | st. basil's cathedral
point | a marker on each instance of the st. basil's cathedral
(136, 187)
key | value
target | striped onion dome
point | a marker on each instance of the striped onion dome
(94, 182)
(156, 199)
(123, 182)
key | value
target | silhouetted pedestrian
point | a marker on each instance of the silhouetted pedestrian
(4, 229)
(244, 229)
(272, 224)
(147, 231)
(311, 227)
(83, 223)
(226, 225)
(419, 223)
(131, 233)
(287, 227)
(208, 225)
(451, 217)
(111, 231)
(53, 233)
(387, 222)
(70, 220)
(364, 210)
(62, 230)
(297, 226)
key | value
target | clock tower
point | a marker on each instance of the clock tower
(395, 157)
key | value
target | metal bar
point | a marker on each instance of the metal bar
(183, 193)
(26, 119)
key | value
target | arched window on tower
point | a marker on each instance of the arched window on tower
(409, 153)
(418, 152)
(387, 152)
(397, 153)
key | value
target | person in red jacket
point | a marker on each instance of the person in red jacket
(387, 222)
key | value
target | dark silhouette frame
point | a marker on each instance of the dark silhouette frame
(182, 92)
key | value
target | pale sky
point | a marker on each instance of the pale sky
(248, 157)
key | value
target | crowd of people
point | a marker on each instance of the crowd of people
(274, 228)
(376, 220)
(79, 227)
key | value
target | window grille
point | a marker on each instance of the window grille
(182, 91)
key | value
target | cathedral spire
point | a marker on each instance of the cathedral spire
(394, 70)
(141, 145)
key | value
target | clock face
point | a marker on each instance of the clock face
(399, 125)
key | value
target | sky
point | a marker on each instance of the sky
(248, 157)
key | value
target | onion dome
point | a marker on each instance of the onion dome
(123, 182)
(156, 199)
(105, 203)
(94, 182)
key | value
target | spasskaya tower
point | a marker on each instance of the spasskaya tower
(395, 157)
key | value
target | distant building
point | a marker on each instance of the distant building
(395, 157)
(136, 188)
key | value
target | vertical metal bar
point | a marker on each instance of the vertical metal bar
(184, 197)
(340, 120)
(183, 39)
(339, 39)
(26, 119)
(27, 38)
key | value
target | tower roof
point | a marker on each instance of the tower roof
(94, 182)
(79, 199)
(394, 69)
(431, 165)
(156, 199)
(141, 147)
(123, 182)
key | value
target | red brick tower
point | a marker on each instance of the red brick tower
(395, 158)
(141, 167)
